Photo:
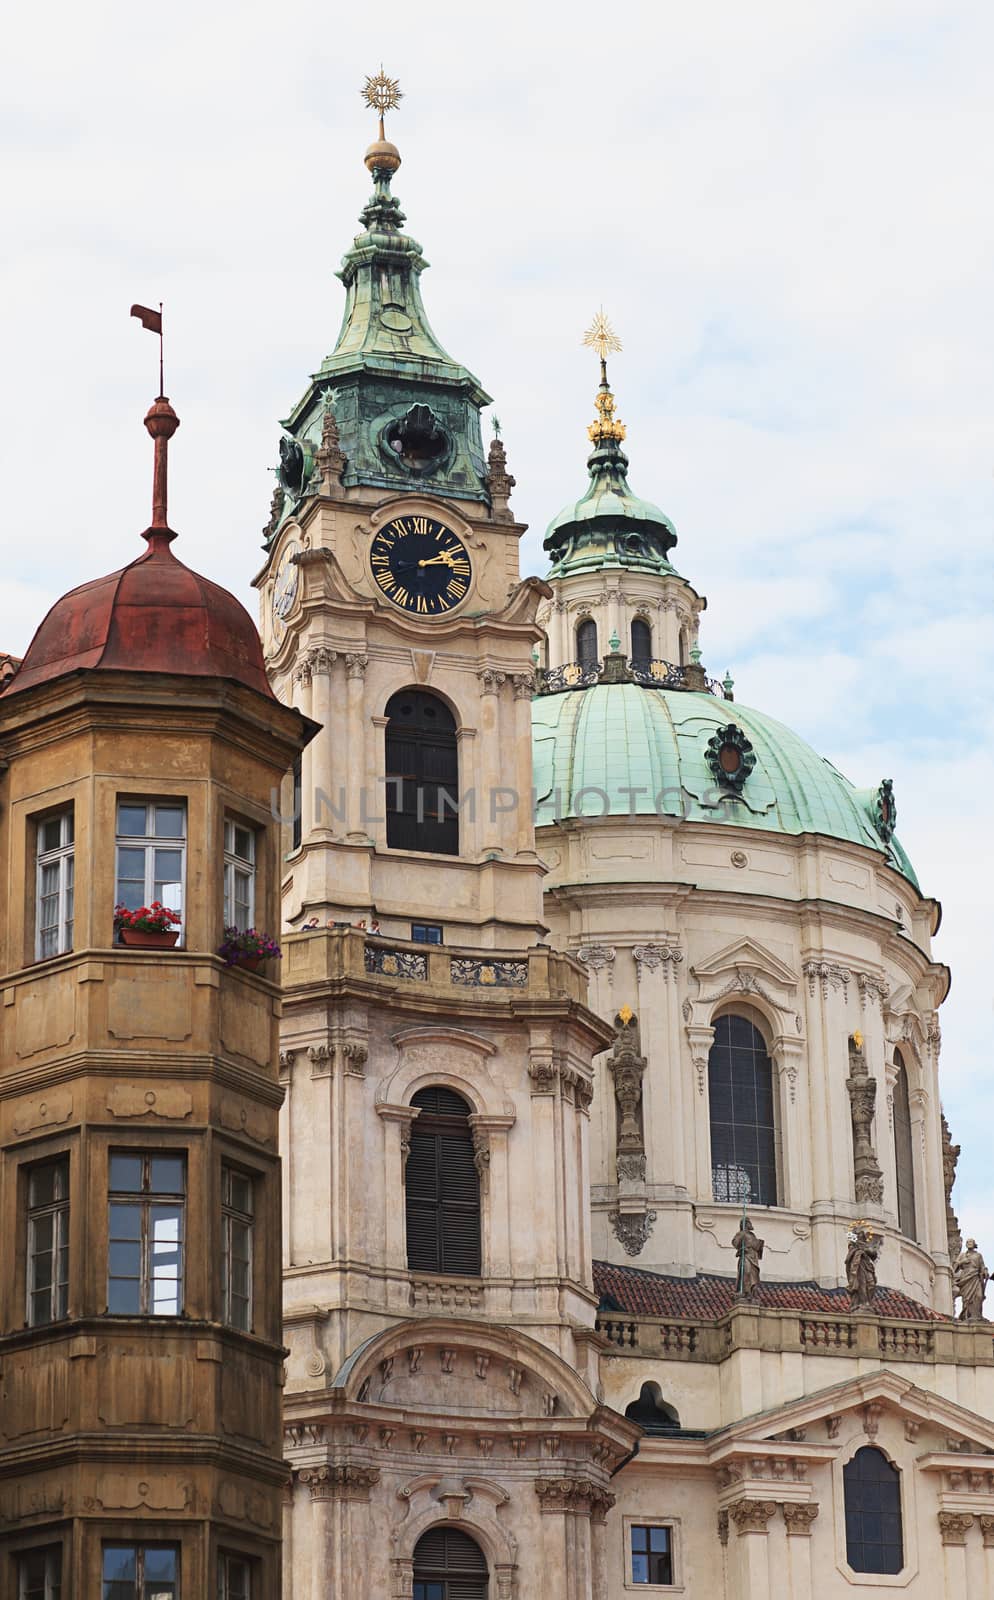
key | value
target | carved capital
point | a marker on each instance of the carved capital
(799, 1518)
(579, 1496)
(987, 1529)
(954, 1526)
(491, 681)
(650, 957)
(344, 1482)
(752, 1516)
(356, 664)
(597, 956)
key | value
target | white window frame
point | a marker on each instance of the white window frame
(237, 866)
(150, 842)
(648, 1520)
(53, 1571)
(147, 1201)
(63, 858)
(233, 1216)
(225, 1561)
(58, 1210)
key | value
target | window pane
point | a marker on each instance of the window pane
(168, 1175)
(125, 1258)
(125, 1221)
(169, 822)
(50, 835)
(131, 821)
(126, 1176)
(659, 1538)
(120, 1563)
(640, 1568)
(124, 1297)
(239, 1191)
(244, 844)
(168, 866)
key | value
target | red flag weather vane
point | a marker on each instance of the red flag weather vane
(152, 320)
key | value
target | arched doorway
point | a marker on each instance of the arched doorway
(449, 1565)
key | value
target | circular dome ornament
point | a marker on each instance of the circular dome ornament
(885, 810)
(730, 758)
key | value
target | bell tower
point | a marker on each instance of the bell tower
(436, 1051)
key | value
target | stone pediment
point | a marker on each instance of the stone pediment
(817, 1419)
(745, 955)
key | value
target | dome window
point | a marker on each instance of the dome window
(730, 758)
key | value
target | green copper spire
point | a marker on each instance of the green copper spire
(407, 415)
(609, 526)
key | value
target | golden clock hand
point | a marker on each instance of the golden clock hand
(445, 558)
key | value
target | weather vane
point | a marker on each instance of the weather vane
(381, 94)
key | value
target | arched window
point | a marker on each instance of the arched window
(422, 773)
(904, 1160)
(442, 1187)
(641, 643)
(872, 1491)
(586, 643)
(743, 1130)
(652, 1413)
(449, 1565)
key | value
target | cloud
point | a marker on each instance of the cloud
(783, 210)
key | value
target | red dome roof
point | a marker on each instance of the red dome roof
(152, 616)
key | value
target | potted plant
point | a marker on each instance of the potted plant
(247, 948)
(150, 927)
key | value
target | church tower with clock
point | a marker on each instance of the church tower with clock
(436, 1052)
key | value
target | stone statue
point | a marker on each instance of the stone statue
(749, 1250)
(971, 1275)
(862, 1096)
(861, 1266)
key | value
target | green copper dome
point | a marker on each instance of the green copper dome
(618, 750)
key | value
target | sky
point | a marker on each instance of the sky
(786, 213)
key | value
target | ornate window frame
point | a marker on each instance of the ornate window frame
(867, 1434)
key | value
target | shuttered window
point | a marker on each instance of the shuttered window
(442, 1187)
(422, 774)
(586, 643)
(743, 1131)
(449, 1565)
(641, 643)
(903, 1153)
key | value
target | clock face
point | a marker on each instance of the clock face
(420, 565)
(285, 589)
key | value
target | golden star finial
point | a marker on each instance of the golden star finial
(600, 336)
(381, 94)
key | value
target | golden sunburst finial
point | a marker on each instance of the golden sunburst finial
(600, 336)
(382, 94)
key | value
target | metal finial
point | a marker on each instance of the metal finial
(381, 94)
(495, 424)
(600, 336)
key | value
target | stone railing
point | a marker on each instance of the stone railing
(754, 1327)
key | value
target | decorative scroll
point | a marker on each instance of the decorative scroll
(396, 963)
(470, 973)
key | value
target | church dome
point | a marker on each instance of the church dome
(620, 749)
(152, 616)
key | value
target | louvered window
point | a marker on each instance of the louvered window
(422, 774)
(449, 1565)
(641, 643)
(586, 643)
(442, 1187)
(904, 1159)
(872, 1494)
(743, 1130)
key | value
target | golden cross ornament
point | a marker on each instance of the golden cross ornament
(381, 93)
(600, 336)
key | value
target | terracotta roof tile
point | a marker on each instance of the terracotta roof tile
(708, 1297)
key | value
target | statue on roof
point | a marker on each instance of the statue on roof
(971, 1277)
(749, 1248)
(861, 1265)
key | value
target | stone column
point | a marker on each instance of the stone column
(491, 755)
(523, 686)
(750, 1548)
(701, 1039)
(302, 700)
(397, 1122)
(798, 1519)
(362, 756)
(338, 1535)
(953, 1529)
(471, 814)
(829, 1133)
(325, 771)
(788, 1061)
(568, 1505)
(490, 1158)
